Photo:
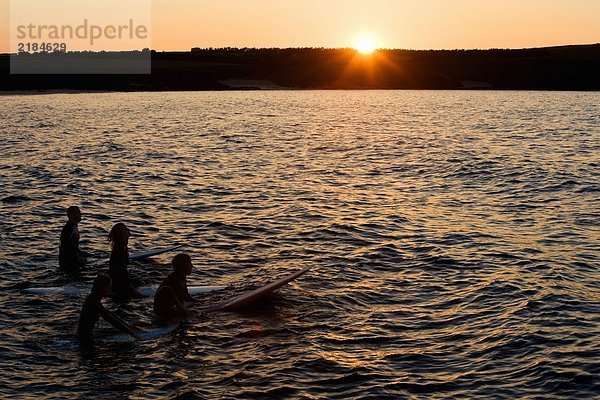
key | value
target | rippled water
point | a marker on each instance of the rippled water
(455, 241)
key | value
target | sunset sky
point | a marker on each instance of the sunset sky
(412, 24)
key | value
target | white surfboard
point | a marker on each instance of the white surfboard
(151, 253)
(149, 334)
(139, 256)
(147, 291)
(248, 298)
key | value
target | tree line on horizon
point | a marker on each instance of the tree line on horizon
(551, 68)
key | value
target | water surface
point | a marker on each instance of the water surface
(455, 241)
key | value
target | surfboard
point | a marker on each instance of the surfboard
(149, 334)
(254, 295)
(147, 291)
(155, 252)
(139, 256)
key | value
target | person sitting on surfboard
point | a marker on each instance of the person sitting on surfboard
(70, 257)
(93, 309)
(119, 260)
(170, 298)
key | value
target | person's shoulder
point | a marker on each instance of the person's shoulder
(168, 281)
(67, 226)
(119, 251)
(119, 248)
(90, 301)
(172, 278)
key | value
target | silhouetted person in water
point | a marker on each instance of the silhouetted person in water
(70, 257)
(119, 260)
(93, 309)
(170, 298)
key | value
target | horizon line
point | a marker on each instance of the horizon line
(231, 48)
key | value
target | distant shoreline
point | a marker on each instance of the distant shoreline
(9, 93)
(43, 92)
(564, 68)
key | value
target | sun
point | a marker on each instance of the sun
(366, 44)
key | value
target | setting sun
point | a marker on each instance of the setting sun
(366, 44)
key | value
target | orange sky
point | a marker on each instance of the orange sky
(414, 24)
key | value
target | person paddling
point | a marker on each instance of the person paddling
(172, 294)
(93, 309)
(119, 260)
(70, 257)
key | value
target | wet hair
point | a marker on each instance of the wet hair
(115, 236)
(180, 261)
(72, 210)
(101, 282)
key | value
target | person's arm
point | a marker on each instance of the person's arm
(74, 239)
(171, 295)
(123, 260)
(85, 254)
(187, 294)
(134, 293)
(118, 322)
(119, 258)
(68, 240)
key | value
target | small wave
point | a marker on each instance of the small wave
(588, 189)
(15, 199)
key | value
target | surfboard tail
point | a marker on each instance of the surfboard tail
(251, 297)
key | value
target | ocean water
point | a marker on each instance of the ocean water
(454, 239)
